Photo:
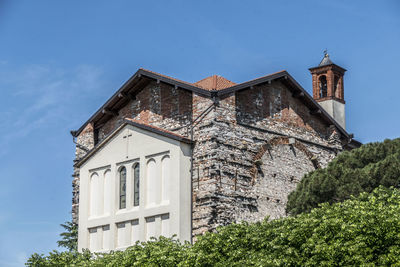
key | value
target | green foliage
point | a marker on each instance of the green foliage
(69, 237)
(362, 231)
(352, 172)
(161, 252)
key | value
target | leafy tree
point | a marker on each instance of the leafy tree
(362, 231)
(69, 237)
(352, 172)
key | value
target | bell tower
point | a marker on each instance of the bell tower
(327, 82)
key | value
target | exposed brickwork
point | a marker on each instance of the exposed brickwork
(157, 104)
(334, 79)
(252, 147)
(234, 178)
(273, 107)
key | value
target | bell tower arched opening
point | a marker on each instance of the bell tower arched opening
(328, 90)
(323, 86)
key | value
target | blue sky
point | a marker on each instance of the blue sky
(60, 60)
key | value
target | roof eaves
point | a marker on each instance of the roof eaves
(250, 83)
(138, 74)
(123, 87)
(286, 75)
(210, 93)
(174, 82)
(332, 64)
(319, 107)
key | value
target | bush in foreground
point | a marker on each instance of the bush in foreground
(360, 231)
(350, 173)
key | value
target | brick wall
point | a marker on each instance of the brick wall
(237, 178)
(251, 149)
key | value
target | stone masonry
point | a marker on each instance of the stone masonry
(252, 146)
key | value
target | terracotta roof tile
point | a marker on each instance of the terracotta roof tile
(214, 82)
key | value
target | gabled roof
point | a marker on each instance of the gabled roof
(143, 77)
(138, 124)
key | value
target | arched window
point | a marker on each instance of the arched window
(122, 188)
(165, 178)
(323, 87)
(136, 176)
(107, 192)
(151, 182)
(94, 205)
(335, 86)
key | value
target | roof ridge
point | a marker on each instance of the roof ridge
(263, 76)
(198, 89)
(166, 76)
(219, 76)
(203, 79)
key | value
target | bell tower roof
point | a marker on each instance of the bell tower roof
(326, 60)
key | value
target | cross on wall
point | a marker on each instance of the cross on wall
(128, 134)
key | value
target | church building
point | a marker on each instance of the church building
(165, 157)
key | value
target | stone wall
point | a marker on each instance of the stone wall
(251, 150)
(84, 142)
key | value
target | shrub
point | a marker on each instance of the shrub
(359, 231)
(352, 172)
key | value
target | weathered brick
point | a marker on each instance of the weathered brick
(252, 147)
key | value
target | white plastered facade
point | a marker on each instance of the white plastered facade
(164, 191)
(336, 110)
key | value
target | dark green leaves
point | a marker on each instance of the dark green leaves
(360, 170)
(362, 231)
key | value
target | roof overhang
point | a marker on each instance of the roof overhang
(128, 91)
(143, 77)
(332, 65)
(297, 90)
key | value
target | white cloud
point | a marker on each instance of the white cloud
(43, 95)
